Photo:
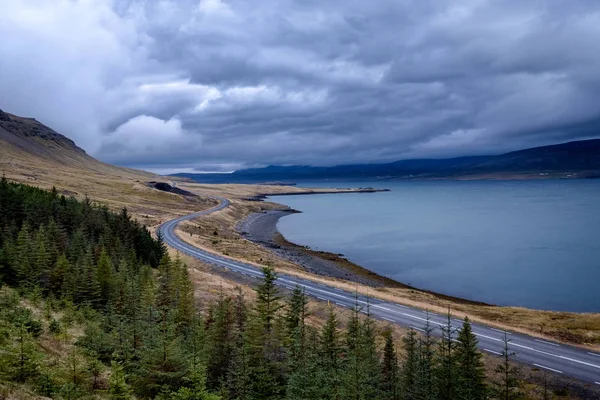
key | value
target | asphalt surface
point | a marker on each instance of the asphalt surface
(557, 358)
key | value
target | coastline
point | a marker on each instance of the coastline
(261, 228)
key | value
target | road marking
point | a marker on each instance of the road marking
(501, 331)
(388, 319)
(340, 304)
(413, 316)
(548, 368)
(321, 298)
(414, 327)
(543, 341)
(597, 383)
(493, 352)
(593, 354)
(541, 351)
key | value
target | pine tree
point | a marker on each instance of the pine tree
(118, 387)
(508, 386)
(238, 374)
(194, 389)
(219, 342)
(104, 277)
(163, 364)
(184, 293)
(424, 377)
(329, 357)
(267, 301)
(360, 376)
(445, 368)
(390, 371)
(471, 373)
(296, 312)
(306, 381)
(22, 360)
(410, 365)
(264, 338)
(23, 259)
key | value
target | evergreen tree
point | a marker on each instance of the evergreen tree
(264, 338)
(424, 373)
(471, 373)
(446, 368)
(194, 389)
(267, 301)
(296, 312)
(104, 277)
(219, 342)
(238, 375)
(118, 387)
(508, 386)
(307, 380)
(329, 358)
(410, 365)
(390, 371)
(21, 359)
(23, 260)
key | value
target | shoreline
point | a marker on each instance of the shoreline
(261, 228)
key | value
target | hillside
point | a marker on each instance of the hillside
(29, 145)
(36, 154)
(579, 159)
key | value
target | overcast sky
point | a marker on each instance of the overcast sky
(182, 85)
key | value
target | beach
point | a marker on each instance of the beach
(261, 228)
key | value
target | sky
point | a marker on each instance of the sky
(219, 85)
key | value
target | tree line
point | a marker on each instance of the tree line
(143, 335)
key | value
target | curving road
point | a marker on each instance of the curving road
(554, 357)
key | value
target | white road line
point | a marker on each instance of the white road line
(597, 383)
(340, 304)
(418, 329)
(493, 352)
(593, 354)
(321, 298)
(541, 351)
(388, 319)
(543, 341)
(413, 316)
(548, 368)
(501, 331)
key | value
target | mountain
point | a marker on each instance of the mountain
(580, 159)
(32, 147)
(35, 154)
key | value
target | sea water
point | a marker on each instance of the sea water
(534, 244)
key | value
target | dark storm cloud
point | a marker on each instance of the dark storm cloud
(218, 84)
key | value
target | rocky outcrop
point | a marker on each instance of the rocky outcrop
(4, 116)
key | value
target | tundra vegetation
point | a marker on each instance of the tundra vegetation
(92, 306)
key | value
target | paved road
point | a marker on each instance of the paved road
(554, 357)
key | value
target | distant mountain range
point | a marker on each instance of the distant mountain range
(580, 159)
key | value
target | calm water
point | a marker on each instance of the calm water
(526, 243)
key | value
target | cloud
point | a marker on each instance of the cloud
(223, 84)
